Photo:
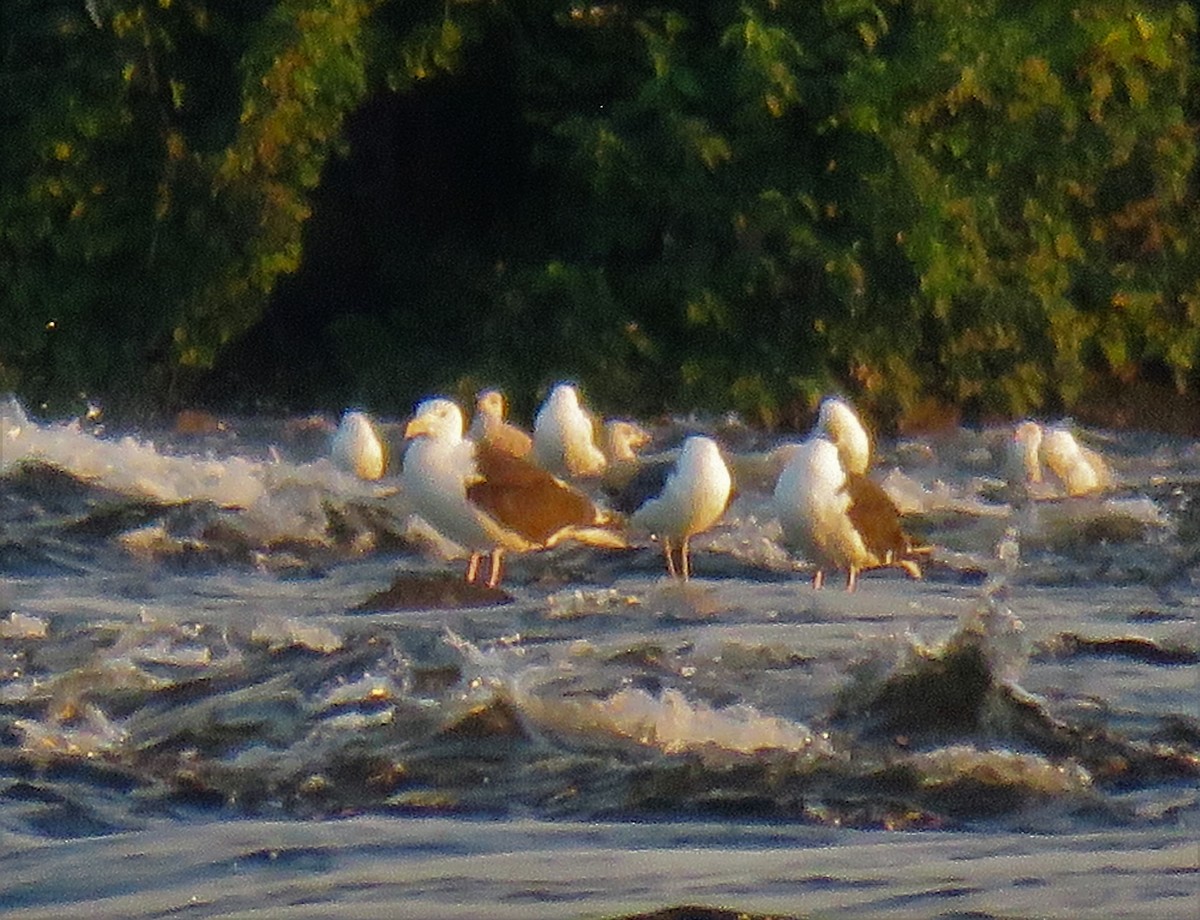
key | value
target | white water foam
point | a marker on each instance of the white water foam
(279, 499)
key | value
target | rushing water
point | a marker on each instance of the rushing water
(234, 678)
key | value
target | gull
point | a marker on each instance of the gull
(356, 447)
(841, 424)
(837, 518)
(676, 501)
(487, 500)
(490, 425)
(1077, 469)
(564, 437)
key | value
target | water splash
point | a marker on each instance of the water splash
(199, 506)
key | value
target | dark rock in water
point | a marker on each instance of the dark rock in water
(33, 557)
(349, 524)
(107, 520)
(432, 591)
(972, 798)
(1111, 758)
(434, 679)
(44, 507)
(498, 718)
(763, 788)
(943, 695)
(1147, 615)
(51, 486)
(1147, 651)
(692, 912)
(953, 696)
(1179, 730)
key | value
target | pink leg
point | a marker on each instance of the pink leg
(852, 578)
(818, 579)
(683, 560)
(473, 567)
(497, 567)
(670, 561)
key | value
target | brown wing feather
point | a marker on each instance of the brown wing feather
(510, 439)
(876, 518)
(525, 498)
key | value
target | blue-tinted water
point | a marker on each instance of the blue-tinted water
(201, 712)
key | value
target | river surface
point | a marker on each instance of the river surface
(234, 679)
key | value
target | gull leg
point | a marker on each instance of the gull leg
(497, 567)
(683, 560)
(818, 579)
(473, 567)
(910, 568)
(852, 578)
(670, 561)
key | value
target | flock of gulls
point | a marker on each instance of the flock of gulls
(494, 488)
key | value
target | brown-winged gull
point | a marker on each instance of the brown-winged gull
(488, 501)
(837, 518)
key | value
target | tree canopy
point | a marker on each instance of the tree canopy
(723, 205)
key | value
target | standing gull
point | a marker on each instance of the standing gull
(677, 501)
(837, 518)
(489, 425)
(836, 420)
(356, 447)
(487, 500)
(564, 436)
(841, 424)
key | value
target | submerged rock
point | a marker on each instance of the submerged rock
(939, 694)
(693, 912)
(1134, 648)
(432, 591)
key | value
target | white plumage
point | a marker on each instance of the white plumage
(356, 447)
(488, 500)
(438, 466)
(1076, 469)
(812, 503)
(564, 438)
(838, 518)
(838, 420)
(692, 499)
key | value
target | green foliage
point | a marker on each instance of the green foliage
(734, 205)
(1052, 161)
(304, 71)
(79, 248)
(150, 206)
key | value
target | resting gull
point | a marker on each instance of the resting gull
(838, 420)
(623, 439)
(564, 436)
(356, 447)
(489, 425)
(1076, 469)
